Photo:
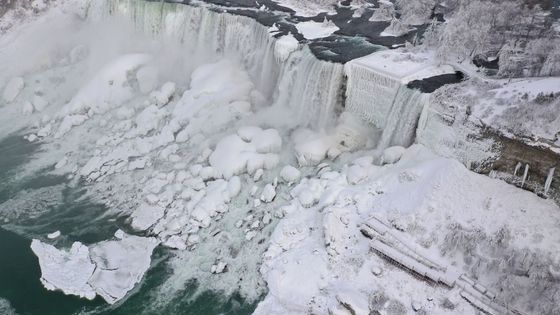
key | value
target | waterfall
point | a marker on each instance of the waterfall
(310, 88)
(402, 119)
(302, 83)
(386, 103)
(548, 181)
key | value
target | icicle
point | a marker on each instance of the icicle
(517, 167)
(548, 181)
(525, 175)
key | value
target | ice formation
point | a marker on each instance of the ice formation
(109, 269)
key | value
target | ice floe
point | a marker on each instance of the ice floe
(109, 269)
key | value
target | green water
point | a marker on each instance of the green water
(79, 219)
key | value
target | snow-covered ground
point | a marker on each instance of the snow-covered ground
(190, 143)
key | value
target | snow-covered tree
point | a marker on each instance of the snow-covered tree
(385, 12)
(551, 65)
(415, 12)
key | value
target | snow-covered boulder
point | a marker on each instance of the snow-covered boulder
(290, 174)
(392, 155)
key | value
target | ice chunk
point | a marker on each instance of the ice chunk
(290, 174)
(39, 103)
(247, 133)
(313, 148)
(68, 122)
(53, 235)
(68, 271)
(267, 141)
(146, 216)
(162, 97)
(268, 194)
(120, 265)
(149, 119)
(27, 108)
(313, 30)
(234, 156)
(234, 186)
(230, 157)
(61, 163)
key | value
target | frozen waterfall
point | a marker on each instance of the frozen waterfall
(385, 102)
(301, 83)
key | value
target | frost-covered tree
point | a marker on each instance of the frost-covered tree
(397, 28)
(415, 12)
(468, 30)
(385, 12)
(489, 27)
(432, 35)
(551, 65)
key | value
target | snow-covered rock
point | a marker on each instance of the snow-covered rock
(290, 174)
(234, 156)
(268, 193)
(392, 155)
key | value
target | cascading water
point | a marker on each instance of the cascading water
(311, 88)
(402, 120)
(302, 83)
